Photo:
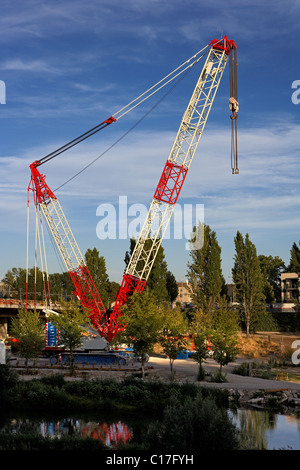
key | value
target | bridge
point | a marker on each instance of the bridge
(19, 304)
(9, 309)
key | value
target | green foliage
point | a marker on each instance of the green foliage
(70, 323)
(221, 329)
(8, 378)
(224, 347)
(271, 268)
(204, 270)
(267, 322)
(248, 280)
(173, 334)
(97, 267)
(29, 330)
(157, 280)
(171, 286)
(193, 425)
(294, 266)
(201, 351)
(33, 441)
(142, 318)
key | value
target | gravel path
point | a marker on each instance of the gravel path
(186, 369)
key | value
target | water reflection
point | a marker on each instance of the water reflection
(261, 429)
(111, 434)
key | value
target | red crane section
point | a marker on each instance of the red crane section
(85, 290)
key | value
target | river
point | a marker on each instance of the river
(259, 429)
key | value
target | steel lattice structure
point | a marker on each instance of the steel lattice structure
(160, 210)
(173, 176)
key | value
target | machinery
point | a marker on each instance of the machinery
(174, 173)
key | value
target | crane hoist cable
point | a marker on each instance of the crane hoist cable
(129, 107)
(234, 108)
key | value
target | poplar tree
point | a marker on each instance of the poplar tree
(294, 266)
(248, 281)
(97, 267)
(204, 274)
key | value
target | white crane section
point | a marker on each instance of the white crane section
(178, 163)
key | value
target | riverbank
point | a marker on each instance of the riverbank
(244, 390)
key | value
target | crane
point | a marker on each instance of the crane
(164, 200)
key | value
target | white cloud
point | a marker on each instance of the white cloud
(36, 66)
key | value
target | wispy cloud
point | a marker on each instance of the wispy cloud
(35, 66)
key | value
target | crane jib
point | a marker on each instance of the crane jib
(165, 196)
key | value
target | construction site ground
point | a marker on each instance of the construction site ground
(158, 368)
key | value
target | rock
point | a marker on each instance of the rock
(256, 400)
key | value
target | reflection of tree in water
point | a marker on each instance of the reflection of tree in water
(21, 426)
(253, 426)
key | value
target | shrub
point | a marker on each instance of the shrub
(195, 425)
(242, 369)
(34, 441)
(8, 377)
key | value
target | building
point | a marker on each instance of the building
(290, 294)
(290, 291)
(184, 294)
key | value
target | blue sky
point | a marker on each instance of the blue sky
(68, 65)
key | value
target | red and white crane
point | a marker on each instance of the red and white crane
(165, 196)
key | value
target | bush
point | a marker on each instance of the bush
(195, 425)
(56, 380)
(8, 377)
(242, 369)
(37, 442)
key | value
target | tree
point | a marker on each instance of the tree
(205, 272)
(173, 335)
(113, 289)
(248, 281)
(294, 266)
(171, 286)
(157, 279)
(97, 267)
(61, 286)
(223, 335)
(271, 268)
(217, 332)
(225, 349)
(15, 279)
(29, 330)
(142, 317)
(200, 330)
(70, 321)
